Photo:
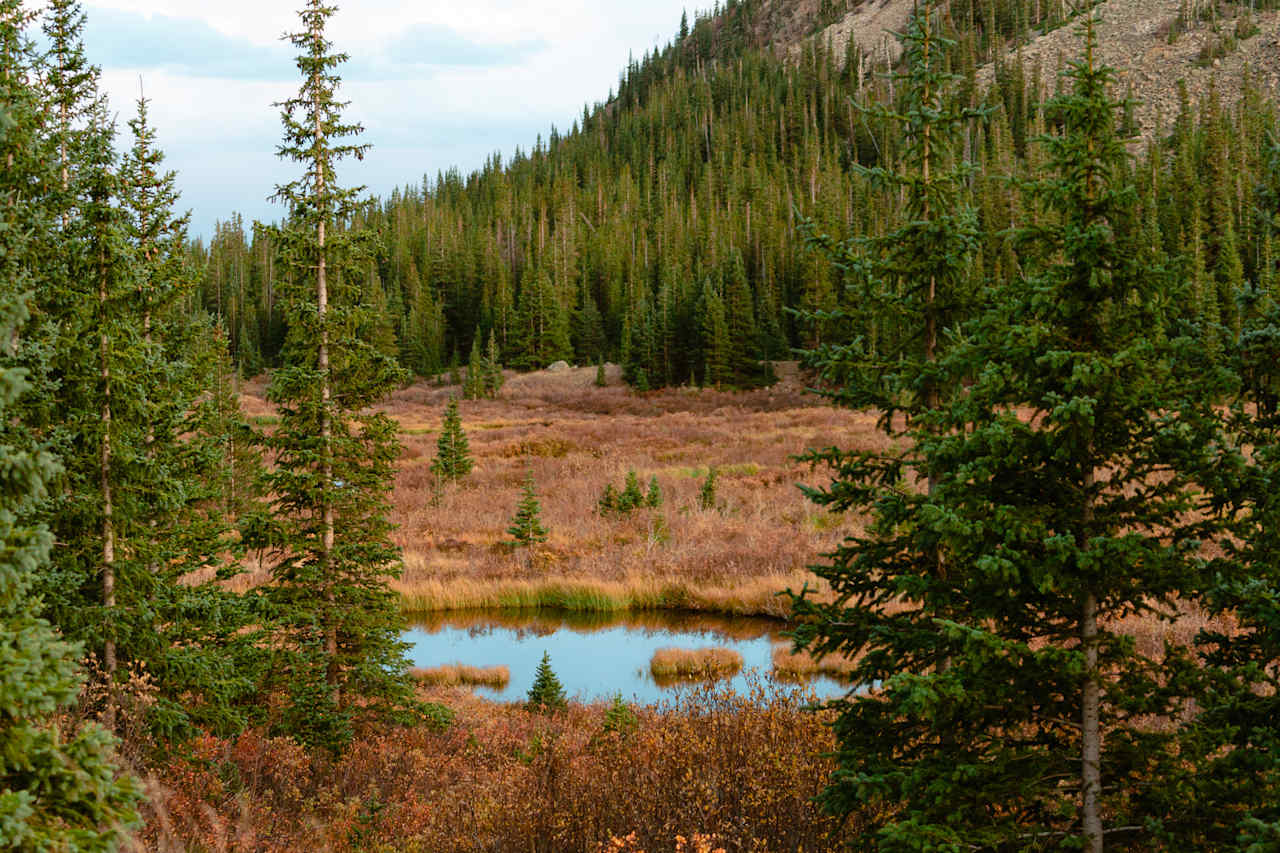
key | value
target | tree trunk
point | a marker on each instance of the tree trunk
(1091, 701)
(326, 433)
(108, 508)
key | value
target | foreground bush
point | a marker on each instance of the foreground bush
(740, 770)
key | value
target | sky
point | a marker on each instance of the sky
(437, 85)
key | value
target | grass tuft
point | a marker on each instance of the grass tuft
(461, 675)
(709, 664)
(798, 666)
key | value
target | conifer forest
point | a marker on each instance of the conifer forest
(913, 387)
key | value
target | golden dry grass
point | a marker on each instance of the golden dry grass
(457, 674)
(792, 665)
(577, 438)
(707, 664)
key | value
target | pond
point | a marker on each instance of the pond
(594, 655)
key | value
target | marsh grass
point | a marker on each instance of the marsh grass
(789, 665)
(576, 437)
(672, 665)
(461, 675)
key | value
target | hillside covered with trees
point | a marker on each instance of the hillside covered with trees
(668, 228)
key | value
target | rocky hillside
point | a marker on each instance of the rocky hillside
(1146, 40)
(1135, 38)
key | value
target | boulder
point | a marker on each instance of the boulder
(558, 367)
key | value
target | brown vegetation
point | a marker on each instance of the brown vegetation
(458, 675)
(792, 665)
(577, 438)
(734, 772)
(668, 665)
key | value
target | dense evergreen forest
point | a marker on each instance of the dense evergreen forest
(668, 228)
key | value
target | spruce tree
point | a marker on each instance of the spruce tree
(195, 649)
(911, 283)
(707, 499)
(58, 790)
(526, 528)
(336, 623)
(453, 451)
(546, 695)
(1231, 798)
(492, 368)
(631, 497)
(475, 386)
(653, 498)
(1064, 495)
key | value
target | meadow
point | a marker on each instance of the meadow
(576, 438)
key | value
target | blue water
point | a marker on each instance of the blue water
(594, 656)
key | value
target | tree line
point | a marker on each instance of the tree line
(133, 487)
(665, 230)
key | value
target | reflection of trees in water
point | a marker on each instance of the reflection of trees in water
(542, 622)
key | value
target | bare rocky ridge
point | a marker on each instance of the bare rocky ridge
(1133, 37)
(871, 25)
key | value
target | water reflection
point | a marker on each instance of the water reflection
(595, 655)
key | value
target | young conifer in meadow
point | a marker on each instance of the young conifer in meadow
(453, 452)
(492, 368)
(526, 528)
(337, 647)
(475, 386)
(546, 695)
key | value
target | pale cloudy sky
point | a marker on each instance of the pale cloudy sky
(436, 84)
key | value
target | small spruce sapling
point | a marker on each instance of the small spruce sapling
(474, 388)
(631, 497)
(526, 528)
(608, 500)
(620, 719)
(707, 496)
(601, 378)
(453, 451)
(492, 368)
(653, 499)
(547, 694)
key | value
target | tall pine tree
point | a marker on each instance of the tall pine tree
(1012, 712)
(58, 790)
(337, 623)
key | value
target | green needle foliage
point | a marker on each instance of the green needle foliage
(1068, 485)
(492, 368)
(476, 385)
(58, 790)
(707, 499)
(336, 624)
(547, 694)
(653, 498)
(202, 660)
(526, 528)
(453, 451)
(1236, 783)
(912, 283)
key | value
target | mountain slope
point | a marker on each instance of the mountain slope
(1134, 37)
